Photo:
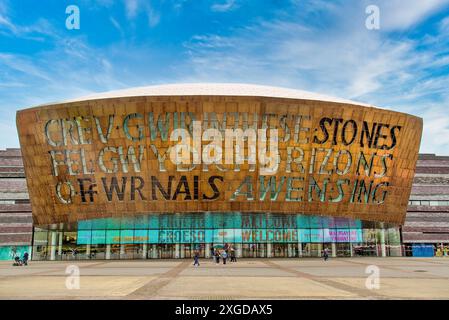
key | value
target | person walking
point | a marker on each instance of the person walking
(196, 260)
(224, 255)
(233, 258)
(217, 257)
(325, 254)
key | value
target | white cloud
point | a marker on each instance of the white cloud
(400, 15)
(23, 65)
(135, 7)
(339, 57)
(131, 7)
(227, 5)
(320, 46)
(5, 23)
(153, 17)
(117, 25)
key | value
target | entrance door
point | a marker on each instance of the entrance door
(249, 250)
(188, 251)
(261, 250)
(166, 251)
(279, 250)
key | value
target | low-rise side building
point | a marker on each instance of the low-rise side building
(16, 223)
(426, 228)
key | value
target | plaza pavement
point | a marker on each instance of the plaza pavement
(338, 278)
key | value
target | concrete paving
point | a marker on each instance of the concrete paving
(338, 278)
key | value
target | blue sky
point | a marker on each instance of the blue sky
(320, 46)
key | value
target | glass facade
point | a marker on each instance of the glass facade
(159, 236)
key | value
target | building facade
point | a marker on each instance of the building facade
(16, 223)
(148, 173)
(426, 228)
(425, 225)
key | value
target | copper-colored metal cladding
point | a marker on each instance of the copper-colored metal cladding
(85, 124)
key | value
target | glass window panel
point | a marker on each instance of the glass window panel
(198, 236)
(153, 236)
(153, 221)
(356, 235)
(327, 222)
(394, 237)
(198, 221)
(112, 223)
(208, 220)
(327, 235)
(177, 236)
(68, 238)
(229, 221)
(83, 237)
(368, 225)
(247, 235)
(186, 236)
(127, 236)
(127, 223)
(341, 235)
(217, 220)
(218, 236)
(209, 235)
(141, 222)
(290, 235)
(342, 222)
(238, 236)
(167, 236)
(99, 224)
(304, 235)
(228, 235)
(112, 236)
(140, 236)
(85, 225)
(175, 221)
(98, 236)
(272, 221)
(316, 235)
(302, 221)
(183, 221)
(40, 238)
(254, 221)
(369, 236)
(315, 222)
(164, 222)
(355, 224)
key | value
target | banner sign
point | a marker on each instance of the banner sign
(218, 236)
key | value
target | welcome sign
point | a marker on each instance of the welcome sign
(221, 236)
(138, 155)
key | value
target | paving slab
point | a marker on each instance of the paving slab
(254, 287)
(312, 278)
